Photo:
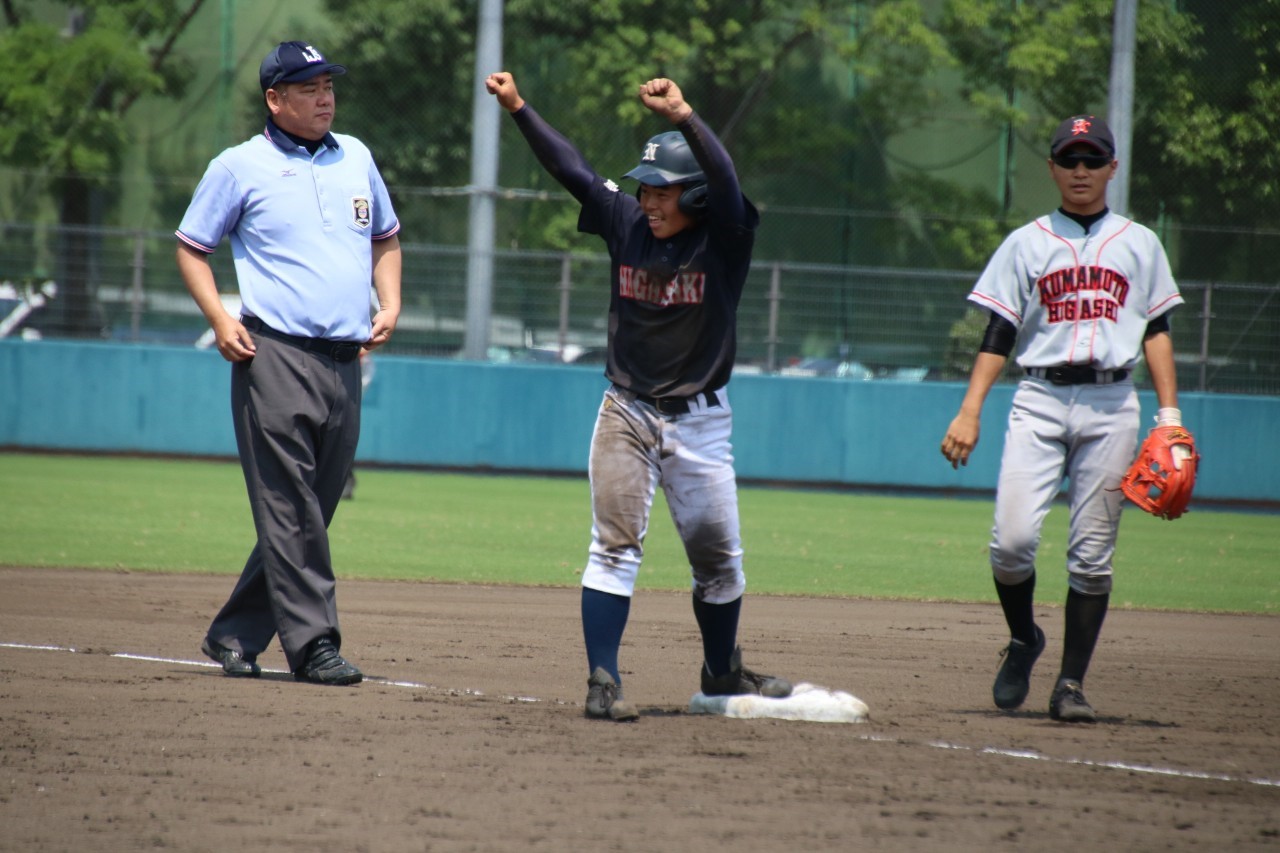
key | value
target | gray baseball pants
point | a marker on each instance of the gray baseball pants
(297, 423)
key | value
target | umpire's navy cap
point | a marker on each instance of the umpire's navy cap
(293, 62)
(1090, 130)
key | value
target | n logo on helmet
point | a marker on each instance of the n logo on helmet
(650, 152)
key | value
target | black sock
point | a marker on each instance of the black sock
(1016, 601)
(1084, 617)
(604, 618)
(719, 626)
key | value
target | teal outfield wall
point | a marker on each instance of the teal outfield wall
(439, 413)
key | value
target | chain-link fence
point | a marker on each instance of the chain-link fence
(852, 322)
(889, 146)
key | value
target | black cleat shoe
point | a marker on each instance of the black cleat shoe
(325, 666)
(739, 681)
(233, 663)
(1013, 681)
(604, 699)
(1069, 705)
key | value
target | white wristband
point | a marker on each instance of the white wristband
(1169, 416)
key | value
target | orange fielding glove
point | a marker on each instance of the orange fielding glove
(1163, 476)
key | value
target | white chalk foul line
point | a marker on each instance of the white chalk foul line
(1025, 754)
(446, 691)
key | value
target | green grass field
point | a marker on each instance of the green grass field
(138, 514)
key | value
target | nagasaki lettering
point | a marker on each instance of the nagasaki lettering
(642, 286)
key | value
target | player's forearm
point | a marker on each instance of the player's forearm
(1158, 350)
(723, 190)
(987, 368)
(562, 160)
(197, 275)
(707, 148)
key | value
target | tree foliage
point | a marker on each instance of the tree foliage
(68, 88)
(1206, 97)
(813, 98)
(579, 62)
(1208, 153)
(65, 103)
(411, 63)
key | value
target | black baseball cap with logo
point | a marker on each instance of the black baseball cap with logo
(293, 62)
(1090, 130)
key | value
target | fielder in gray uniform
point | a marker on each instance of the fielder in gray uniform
(680, 250)
(1079, 296)
(312, 229)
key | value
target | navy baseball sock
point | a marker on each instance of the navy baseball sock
(1016, 601)
(1083, 623)
(719, 626)
(604, 618)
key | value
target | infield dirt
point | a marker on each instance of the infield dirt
(469, 734)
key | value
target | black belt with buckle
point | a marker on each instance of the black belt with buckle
(336, 350)
(1077, 374)
(677, 405)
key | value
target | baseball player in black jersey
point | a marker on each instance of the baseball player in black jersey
(680, 250)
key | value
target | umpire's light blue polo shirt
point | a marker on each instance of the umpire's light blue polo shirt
(300, 228)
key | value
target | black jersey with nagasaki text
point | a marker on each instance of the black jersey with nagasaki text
(672, 303)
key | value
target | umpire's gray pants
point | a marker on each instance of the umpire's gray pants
(297, 422)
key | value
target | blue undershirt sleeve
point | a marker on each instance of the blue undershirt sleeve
(557, 154)
(724, 193)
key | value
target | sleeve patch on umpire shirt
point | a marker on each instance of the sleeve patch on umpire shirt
(361, 211)
(610, 186)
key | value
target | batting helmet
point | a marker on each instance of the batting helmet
(667, 159)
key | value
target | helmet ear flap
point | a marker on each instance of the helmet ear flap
(693, 201)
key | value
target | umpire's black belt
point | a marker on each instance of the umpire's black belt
(1077, 374)
(336, 350)
(674, 405)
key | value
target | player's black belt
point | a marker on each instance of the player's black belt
(676, 405)
(1077, 374)
(336, 350)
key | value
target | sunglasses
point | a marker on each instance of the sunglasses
(1090, 161)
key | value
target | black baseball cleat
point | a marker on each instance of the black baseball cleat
(604, 699)
(325, 666)
(1069, 705)
(739, 681)
(233, 663)
(1013, 681)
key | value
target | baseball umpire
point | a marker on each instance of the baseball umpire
(312, 228)
(680, 250)
(1079, 295)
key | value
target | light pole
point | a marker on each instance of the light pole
(485, 116)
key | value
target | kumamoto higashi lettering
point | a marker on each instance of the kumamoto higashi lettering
(1057, 285)
(683, 289)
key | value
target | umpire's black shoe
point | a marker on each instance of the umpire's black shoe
(1069, 705)
(233, 663)
(1013, 681)
(739, 681)
(325, 666)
